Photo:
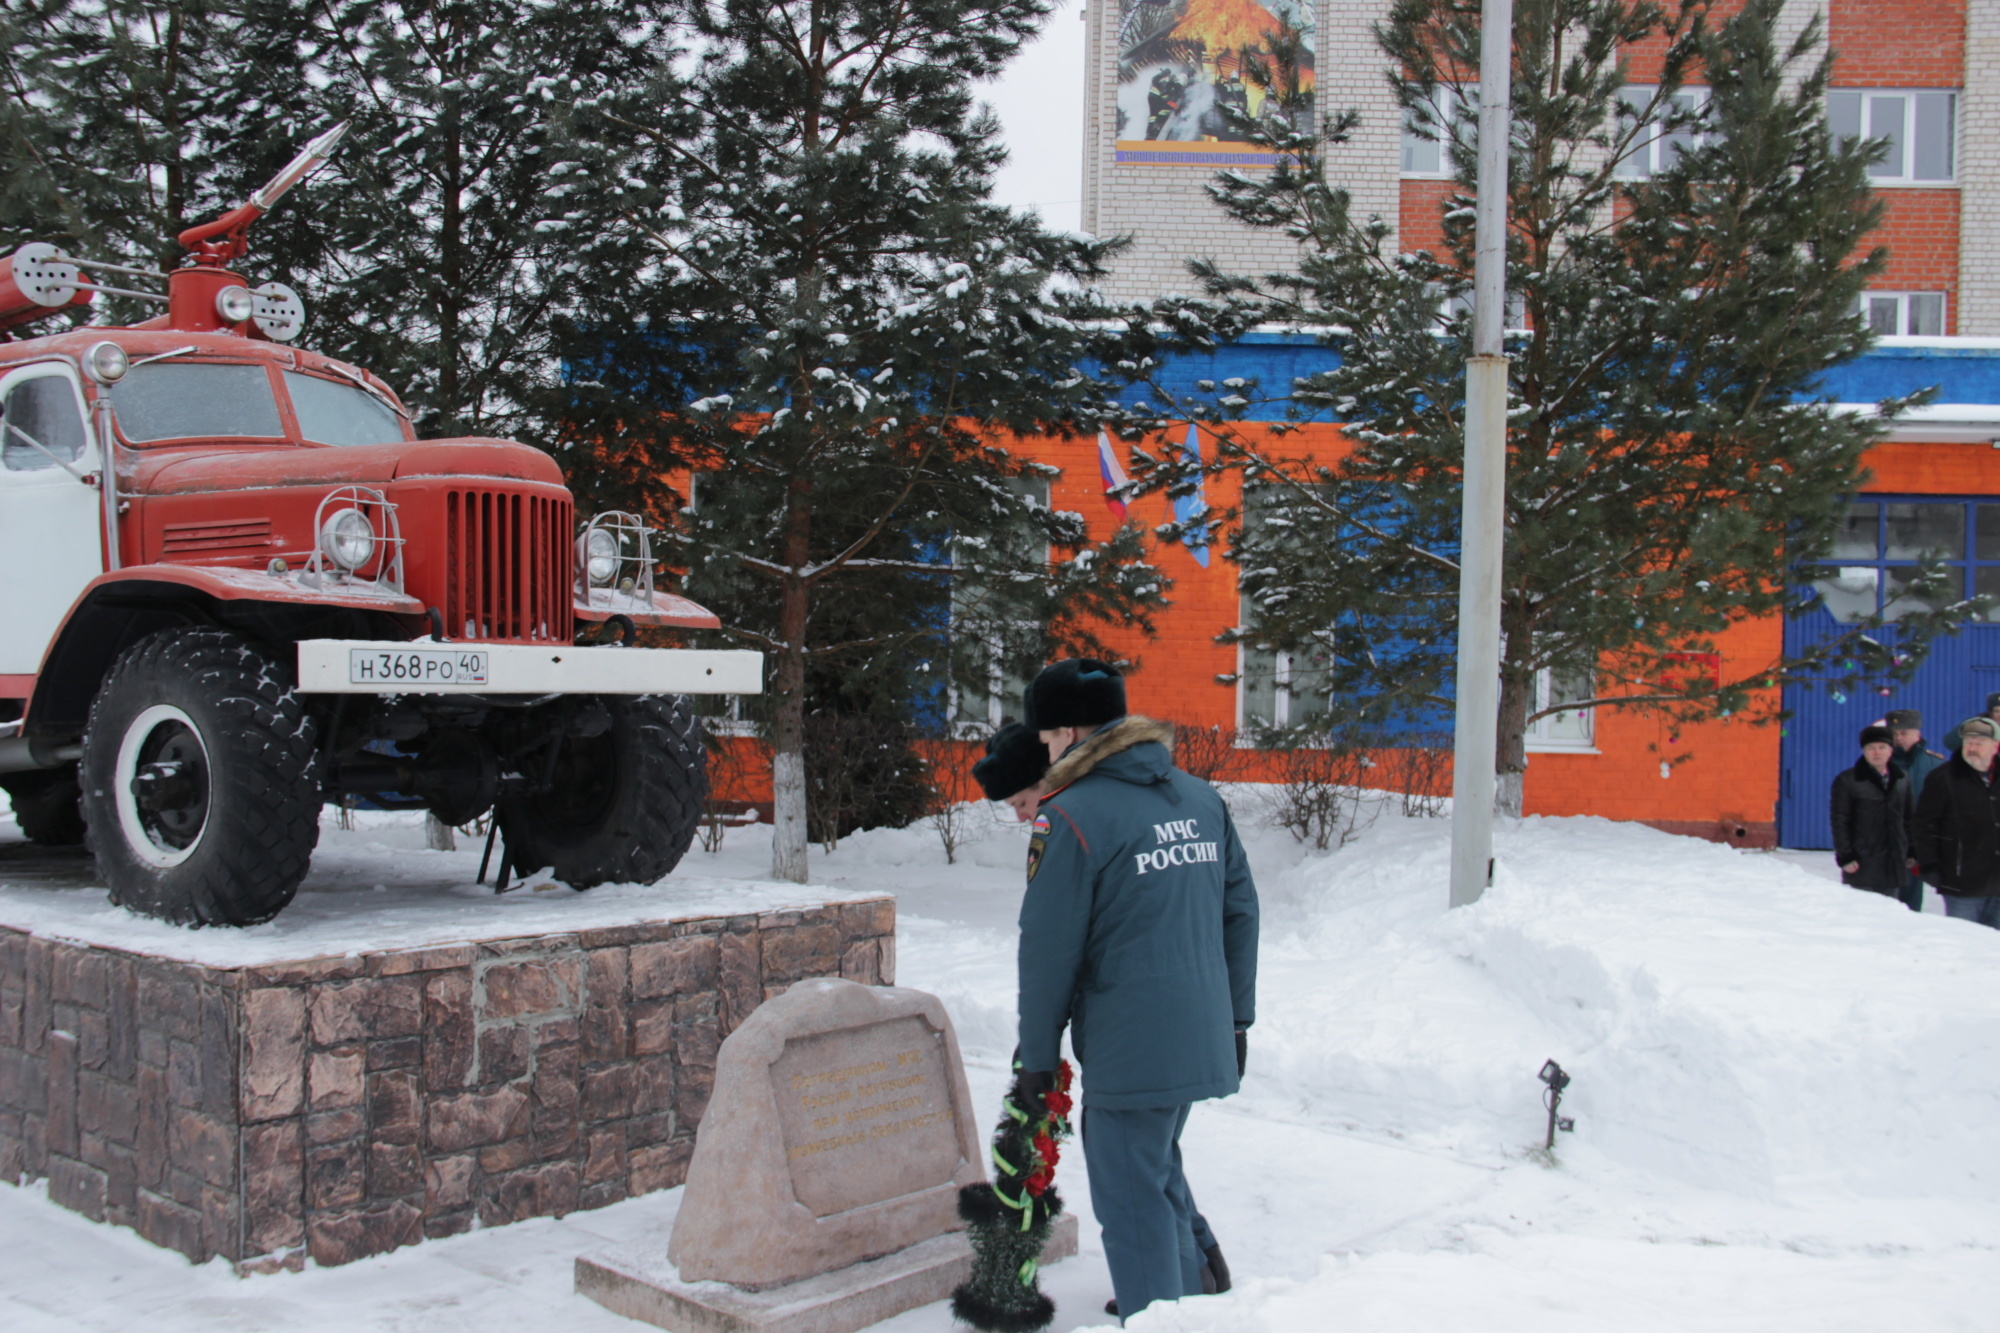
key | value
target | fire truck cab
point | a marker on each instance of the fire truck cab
(238, 586)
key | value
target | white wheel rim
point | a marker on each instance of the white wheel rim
(137, 836)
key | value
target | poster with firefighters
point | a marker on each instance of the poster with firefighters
(1182, 69)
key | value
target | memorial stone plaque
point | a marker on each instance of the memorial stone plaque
(840, 1130)
(867, 1114)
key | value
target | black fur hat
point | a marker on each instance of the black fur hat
(1015, 761)
(1876, 732)
(1077, 692)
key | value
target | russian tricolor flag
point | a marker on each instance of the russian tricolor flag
(1114, 476)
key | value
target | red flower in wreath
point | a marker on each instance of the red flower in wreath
(1038, 1181)
(1045, 1148)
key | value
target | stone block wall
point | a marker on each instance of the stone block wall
(339, 1107)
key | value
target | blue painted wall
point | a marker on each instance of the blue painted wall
(1964, 370)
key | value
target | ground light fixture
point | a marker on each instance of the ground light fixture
(1554, 1080)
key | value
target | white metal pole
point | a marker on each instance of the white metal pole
(1475, 745)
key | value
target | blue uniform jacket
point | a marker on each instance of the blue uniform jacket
(1139, 928)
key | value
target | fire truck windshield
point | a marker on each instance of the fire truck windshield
(340, 414)
(171, 400)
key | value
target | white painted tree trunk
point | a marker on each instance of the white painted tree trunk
(1507, 795)
(438, 835)
(788, 817)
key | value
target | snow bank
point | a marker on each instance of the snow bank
(373, 887)
(1731, 1021)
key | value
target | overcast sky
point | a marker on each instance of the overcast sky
(1040, 102)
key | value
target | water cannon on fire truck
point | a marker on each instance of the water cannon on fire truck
(257, 591)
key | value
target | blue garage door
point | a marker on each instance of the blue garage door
(1879, 547)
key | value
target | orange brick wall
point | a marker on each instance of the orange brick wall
(1643, 58)
(1721, 777)
(1897, 43)
(1921, 235)
(1934, 469)
(1421, 217)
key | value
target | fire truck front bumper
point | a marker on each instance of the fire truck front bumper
(360, 666)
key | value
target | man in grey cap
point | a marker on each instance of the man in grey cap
(1992, 711)
(1955, 837)
(1915, 761)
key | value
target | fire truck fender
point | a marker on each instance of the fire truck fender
(117, 609)
(663, 608)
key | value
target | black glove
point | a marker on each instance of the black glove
(1031, 1091)
(1242, 1051)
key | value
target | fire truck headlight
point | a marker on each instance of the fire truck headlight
(233, 305)
(105, 362)
(600, 557)
(348, 539)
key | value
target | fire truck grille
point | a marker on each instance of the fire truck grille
(507, 572)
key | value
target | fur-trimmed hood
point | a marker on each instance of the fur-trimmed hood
(1094, 749)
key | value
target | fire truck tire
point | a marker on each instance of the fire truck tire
(46, 806)
(624, 806)
(200, 780)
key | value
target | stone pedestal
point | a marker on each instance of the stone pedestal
(644, 1285)
(341, 1106)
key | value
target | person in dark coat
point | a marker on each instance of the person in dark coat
(1138, 933)
(1871, 818)
(1917, 761)
(1992, 711)
(1956, 833)
(1011, 772)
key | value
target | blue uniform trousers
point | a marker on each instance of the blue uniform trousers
(1143, 1203)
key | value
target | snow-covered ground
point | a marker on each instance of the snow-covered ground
(1785, 1095)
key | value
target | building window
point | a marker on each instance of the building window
(988, 690)
(1655, 148)
(1565, 728)
(1458, 304)
(1903, 314)
(1426, 155)
(1920, 128)
(1881, 542)
(1277, 690)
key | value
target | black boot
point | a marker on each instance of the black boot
(1214, 1277)
(1216, 1269)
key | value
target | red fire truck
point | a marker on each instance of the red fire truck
(240, 587)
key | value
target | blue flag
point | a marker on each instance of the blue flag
(1193, 508)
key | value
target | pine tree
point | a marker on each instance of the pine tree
(840, 328)
(464, 227)
(107, 130)
(1673, 467)
(461, 235)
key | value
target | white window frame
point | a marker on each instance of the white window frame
(1447, 306)
(1453, 104)
(1906, 178)
(972, 728)
(85, 459)
(1538, 739)
(1281, 693)
(1903, 311)
(1648, 156)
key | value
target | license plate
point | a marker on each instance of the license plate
(415, 666)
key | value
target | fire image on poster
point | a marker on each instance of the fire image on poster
(1181, 66)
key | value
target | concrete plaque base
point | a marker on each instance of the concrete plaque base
(645, 1286)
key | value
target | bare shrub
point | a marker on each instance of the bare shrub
(1419, 771)
(861, 772)
(723, 762)
(1318, 797)
(953, 811)
(1207, 752)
